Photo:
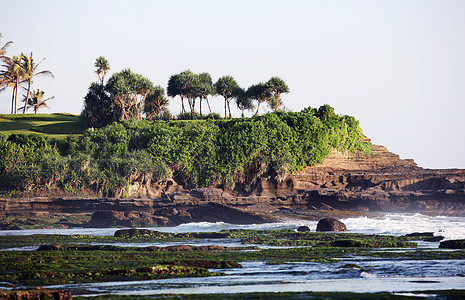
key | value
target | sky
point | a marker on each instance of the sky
(398, 66)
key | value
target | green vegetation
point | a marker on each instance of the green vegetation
(231, 153)
(52, 125)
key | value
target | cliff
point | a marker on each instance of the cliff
(380, 182)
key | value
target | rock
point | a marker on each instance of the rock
(452, 244)
(416, 234)
(330, 224)
(136, 233)
(303, 229)
(49, 247)
(35, 294)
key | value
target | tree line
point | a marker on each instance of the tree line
(234, 154)
(18, 72)
(130, 96)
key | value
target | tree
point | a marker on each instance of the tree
(227, 87)
(3, 48)
(12, 76)
(276, 86)
(188, 83)
(242, 101)
(204, 88)
(36, 100)
(102, 65)
(128, 92)
(30, 70)
(155, 103)
(98, 107)
(174, 89)
(258, 92)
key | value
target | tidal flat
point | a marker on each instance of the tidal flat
(143, 262)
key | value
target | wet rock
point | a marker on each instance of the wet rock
(330, 224)
(136, 233)
(35, 294)
(452, 244)
(49, 247)
(303, 229)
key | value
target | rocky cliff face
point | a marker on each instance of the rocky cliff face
(381, 182)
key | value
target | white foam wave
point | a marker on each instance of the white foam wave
(400, 224)
(394, 224)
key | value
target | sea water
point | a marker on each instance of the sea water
(376, 275)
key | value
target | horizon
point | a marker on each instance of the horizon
(396, 66)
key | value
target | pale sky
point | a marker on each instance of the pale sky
(398, 66)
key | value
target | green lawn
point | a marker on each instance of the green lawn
(53, 125)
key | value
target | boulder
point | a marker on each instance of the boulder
(303, 229)
(330, 224)
(452, 244)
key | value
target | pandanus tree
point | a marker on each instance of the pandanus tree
(227, 87)
(155, 103)
(242, 101)
(128, 92)
(36, 100)
(174, 89)
(184, 85)
(30, 71)
(276, 86)
(103, 66)
(260, 93)
(188, 84)
(203, 88)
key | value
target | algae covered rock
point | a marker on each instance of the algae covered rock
(330, 224)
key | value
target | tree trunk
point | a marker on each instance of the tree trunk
(182, 103)
(16, 97)
(201, 106)
(27, 96)
(225, 111)
(258, 107)
(13, 100)
(208, 103)
(229, 109)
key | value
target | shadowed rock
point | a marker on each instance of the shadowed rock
(330, 224)
(303, 229)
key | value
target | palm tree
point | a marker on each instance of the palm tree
(226, 86)
(205, 88)
(36, 100)
(243, 102)
(30, 70)
(174, 89)
(102, 65)
(155, 103)
(276, 86)
(12, 76)
(3, 48)
(260, 93)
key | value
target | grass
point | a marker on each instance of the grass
(53, 125)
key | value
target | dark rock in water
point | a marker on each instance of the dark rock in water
(415, 234)
(49, 247)
(303, 229)
(434, 239)
(452, 244)
(330, 224)
(348, 243)
(136, 233)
